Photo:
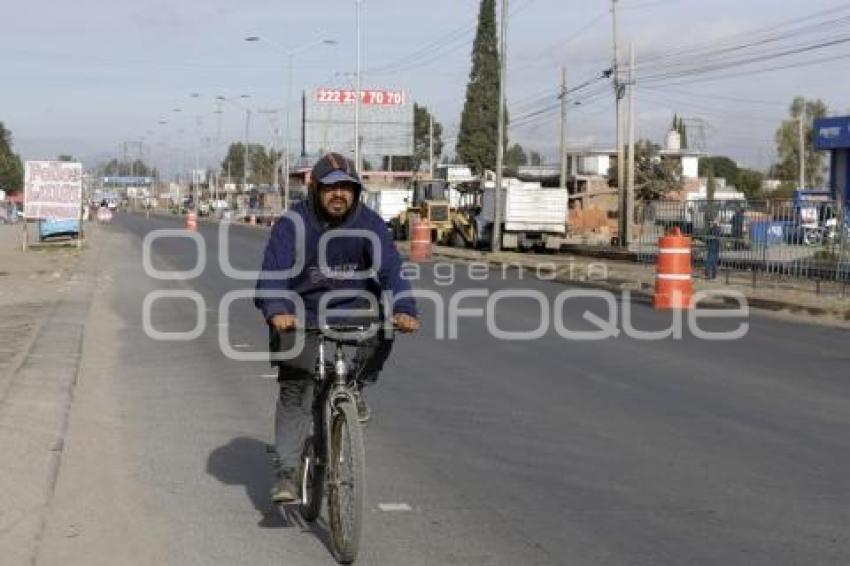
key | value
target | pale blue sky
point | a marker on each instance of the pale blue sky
(83, 76)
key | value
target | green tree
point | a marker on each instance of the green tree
(136, 168)
(234, 161)
(655, 178)
(422, 138)
(478, 135)
(749, 182)
(788, 143)
(65, 157)
(535, 158)
(261, 163)
(721, 166)
(515, 157)
(11, 167)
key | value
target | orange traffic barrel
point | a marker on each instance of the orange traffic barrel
(673, 285)
(192, 221)
(420, 241)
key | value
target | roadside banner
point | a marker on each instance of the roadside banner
(53, 190)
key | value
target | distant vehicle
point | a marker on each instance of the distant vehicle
(531, 216)
(104, 215)
(57, 228)
(388, 203)
(429, 202)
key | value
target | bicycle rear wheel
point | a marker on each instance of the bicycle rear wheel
(346, 485)
(312, 479)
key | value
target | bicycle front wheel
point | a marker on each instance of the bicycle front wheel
(346, 485)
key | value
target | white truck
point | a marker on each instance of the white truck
(532, 217)
(388, 203)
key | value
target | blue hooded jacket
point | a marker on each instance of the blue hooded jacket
(345, 254)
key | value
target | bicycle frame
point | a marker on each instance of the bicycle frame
(330, 393)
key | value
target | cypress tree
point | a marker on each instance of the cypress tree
(476, 143)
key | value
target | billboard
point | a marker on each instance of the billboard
(386, 121)
(53, 190)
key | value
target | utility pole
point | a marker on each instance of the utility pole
(195, 180)
(218, 113)
(245, 153)
(618, 94)
(563, 183)
(500, 143)
(802, 129)
(431, 144)
(630, 189)
(357, 88)
(290, 56)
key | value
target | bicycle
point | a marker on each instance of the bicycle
(333, 460)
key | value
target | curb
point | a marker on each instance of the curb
(761, 303)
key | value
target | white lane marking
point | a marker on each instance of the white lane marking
(390, 507)
(269, 375)
(241, 345)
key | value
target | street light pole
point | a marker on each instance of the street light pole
(357, 88)
(288, 132)
(290, 57)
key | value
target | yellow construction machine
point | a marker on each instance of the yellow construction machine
(431, 203)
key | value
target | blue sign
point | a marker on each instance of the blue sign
(48, 228)
(128, 180)
(832, 133)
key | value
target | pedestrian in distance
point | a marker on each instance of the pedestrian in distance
(712, 252)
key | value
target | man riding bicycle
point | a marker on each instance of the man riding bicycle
(328, 280)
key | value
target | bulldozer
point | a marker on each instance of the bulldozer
(450, 226)
(431, 203)
(466, 226)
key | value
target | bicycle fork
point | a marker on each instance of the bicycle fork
(338, 390)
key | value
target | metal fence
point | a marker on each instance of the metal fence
(807, 240)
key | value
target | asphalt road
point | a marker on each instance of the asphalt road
(622, 451)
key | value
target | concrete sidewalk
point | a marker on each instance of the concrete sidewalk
(795, 297)
(44, 302)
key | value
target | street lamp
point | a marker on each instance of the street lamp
(245, 161)
(290, 55)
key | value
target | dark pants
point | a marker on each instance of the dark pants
(294, 409)
(712, 257)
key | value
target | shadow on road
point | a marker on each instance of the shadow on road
(245, 461)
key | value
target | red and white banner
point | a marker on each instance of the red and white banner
(53, 190)
(369, 97)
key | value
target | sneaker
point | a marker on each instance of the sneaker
(284, 490)
(363, 412)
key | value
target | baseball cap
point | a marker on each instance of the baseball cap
(334, 168)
